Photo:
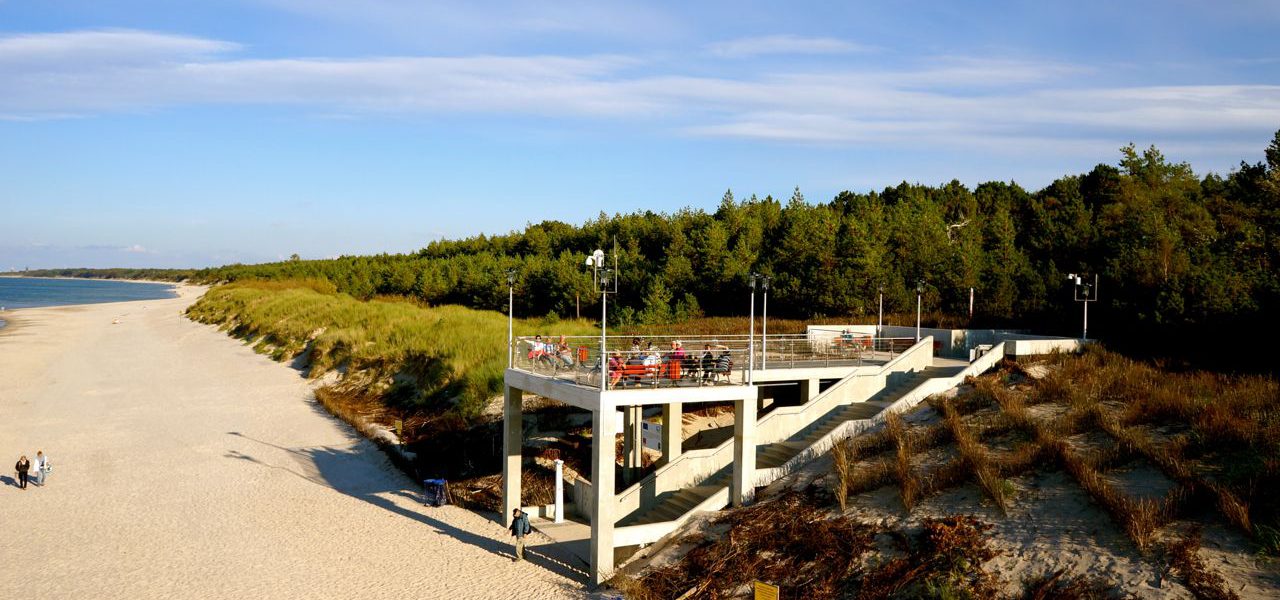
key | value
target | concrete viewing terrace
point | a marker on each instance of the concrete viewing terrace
(792, 397)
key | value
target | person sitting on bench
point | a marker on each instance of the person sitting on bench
(724, 364)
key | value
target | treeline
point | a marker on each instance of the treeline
(86, 273)
(1184, 262)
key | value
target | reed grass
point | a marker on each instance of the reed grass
(454, 356)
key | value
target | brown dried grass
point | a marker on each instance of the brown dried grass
(1203, 582)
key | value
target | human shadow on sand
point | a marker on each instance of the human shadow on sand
(7, 480)
(362, 471)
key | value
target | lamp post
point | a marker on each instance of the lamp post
(1085, 293)
(603, 277)
(919, 295)
(511, 304)
(764, 321)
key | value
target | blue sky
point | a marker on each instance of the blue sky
(150, 133)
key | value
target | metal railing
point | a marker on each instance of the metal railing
(675, 361)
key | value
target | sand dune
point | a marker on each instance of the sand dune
(186, 466)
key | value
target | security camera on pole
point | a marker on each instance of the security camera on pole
(1085, 293)
(605, 280)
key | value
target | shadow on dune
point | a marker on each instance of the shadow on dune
(347, 470)
(7, 480)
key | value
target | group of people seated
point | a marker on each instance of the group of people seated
(551, 354)
(645, 363)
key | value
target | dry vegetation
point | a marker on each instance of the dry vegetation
(1216, 439)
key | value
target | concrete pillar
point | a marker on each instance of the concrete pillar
(603, 504)
(632, 442)
(744, 449)
(809, 389)
(512, 441)
(672, 431)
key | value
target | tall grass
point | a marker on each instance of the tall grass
(453, 356)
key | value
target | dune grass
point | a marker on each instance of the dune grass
(451, 357)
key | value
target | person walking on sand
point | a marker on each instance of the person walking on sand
(42, 467)
(519, 528)
(22, 468)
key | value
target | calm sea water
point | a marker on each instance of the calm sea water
(26, 292)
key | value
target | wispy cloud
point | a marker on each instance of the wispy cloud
(784, 44)
(458, 20)
(106, 46)
(958, 101)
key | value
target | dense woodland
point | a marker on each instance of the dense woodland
(1186, 263)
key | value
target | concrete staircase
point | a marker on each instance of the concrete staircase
(672, 505)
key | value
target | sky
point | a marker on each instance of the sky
(197, 133)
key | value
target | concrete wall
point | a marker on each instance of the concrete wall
(952, 341)
(1031, 347)
(582, 498)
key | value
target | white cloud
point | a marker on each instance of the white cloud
(783, 44)
(956, 101)
(120, 47)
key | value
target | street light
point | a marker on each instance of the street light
(751, 336)
(603, 277)
(511, 304)
(764, 319)
(919, 294)
(1085, 293)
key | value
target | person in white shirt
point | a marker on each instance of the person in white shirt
(42, 467)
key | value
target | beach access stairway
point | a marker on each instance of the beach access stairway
(787, 437)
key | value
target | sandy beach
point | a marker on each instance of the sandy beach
(187, 466)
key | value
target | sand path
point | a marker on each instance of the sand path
(187, 466)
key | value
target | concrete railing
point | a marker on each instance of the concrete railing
(697, 465)
(905, 402)
(788, 421)
(649, 533)
(583, 498)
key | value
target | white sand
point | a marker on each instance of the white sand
(186, 466)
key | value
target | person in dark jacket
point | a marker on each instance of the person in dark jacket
(519, 528)
(708, 362)
(23, 467)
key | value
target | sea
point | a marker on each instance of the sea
(28, 292)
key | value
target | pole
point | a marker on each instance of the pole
(604, 358)
(917, 316)
(970, 304)
(880, 318)
(1085, 334)
(559, 491)
(511, 303)
(751, 337)
(764, 331)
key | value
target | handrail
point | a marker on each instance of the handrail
(727, 445)
(576, 359)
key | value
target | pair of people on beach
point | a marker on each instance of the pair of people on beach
(42, 468)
